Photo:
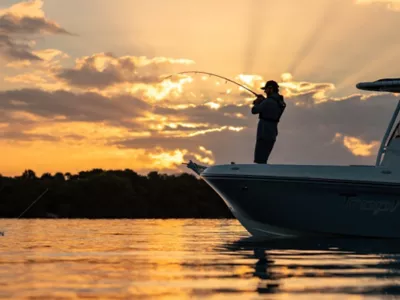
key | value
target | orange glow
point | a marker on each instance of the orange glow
(209, 152)
(235, 115)
(39, 78)
(66, 157)
(50, 54)
(27, 78)
(93, 132)
(19, 64)
(21, 115)
(140, 63)
(250, 80)
(181, 106)
(157, 92)
(237, 129)
(213, 105)
(168, 160)
(74, 156)
(292, 89)
(216, 129)
(286, 77)
(156, 122)
(357, 146)
(205, 160)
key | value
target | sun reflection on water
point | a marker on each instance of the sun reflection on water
(124, 259)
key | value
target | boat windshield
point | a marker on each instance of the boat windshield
(396, 133)
(391, 85)
(389, 137)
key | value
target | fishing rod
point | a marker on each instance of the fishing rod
(216, 75)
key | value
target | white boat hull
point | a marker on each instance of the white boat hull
(306, 200)
(259, 229)
(286, 206)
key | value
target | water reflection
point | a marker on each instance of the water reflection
(129, 259)
(322, 266)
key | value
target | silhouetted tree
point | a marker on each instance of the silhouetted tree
(59, 176)
(29, 174)
(46, 176)
(100, 193)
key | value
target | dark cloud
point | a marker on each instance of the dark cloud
(114, 70)
(12, 50)
(89, 107)
(21, 136)
(88, 75)
(225, 145)
(353, 116)
(306, 133)
(12, 25)
(117, 111)
(203, 114)
(165, 142)
(15, 32)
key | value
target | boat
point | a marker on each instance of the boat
(288, 200)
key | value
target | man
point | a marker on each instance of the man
(269, 110)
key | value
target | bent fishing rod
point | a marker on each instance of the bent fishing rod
(216, 75)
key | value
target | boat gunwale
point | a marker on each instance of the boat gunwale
(302, 179)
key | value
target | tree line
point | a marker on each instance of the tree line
(109, 194)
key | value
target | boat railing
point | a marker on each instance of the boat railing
(390, 85)
(386, 140)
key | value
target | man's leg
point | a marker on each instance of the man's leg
(262, 150)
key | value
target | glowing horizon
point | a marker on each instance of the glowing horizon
(80, 95)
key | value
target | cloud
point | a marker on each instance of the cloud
(13, 25)
(114, 110)
(72, 119)
(129, 114)
(11, 50)
(20, 136)
(330, 132)
(31, 8)
(48, 58)
(390, 4)
(344, 130)
(89, 107)
(102, 70)
(204, 114)
(139, 76)
(18, 24)
(357, 146)
(40, 73)
(305, 93)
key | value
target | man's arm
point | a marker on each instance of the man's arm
(258, 105)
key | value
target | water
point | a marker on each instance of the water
(129, 259)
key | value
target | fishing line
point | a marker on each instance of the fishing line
(37, 199)
(219, 76)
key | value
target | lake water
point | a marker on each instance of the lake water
(170, 259)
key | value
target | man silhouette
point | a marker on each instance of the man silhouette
(269, 110)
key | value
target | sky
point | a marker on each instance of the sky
(86, 84)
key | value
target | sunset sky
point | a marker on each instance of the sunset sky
(83, 82)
